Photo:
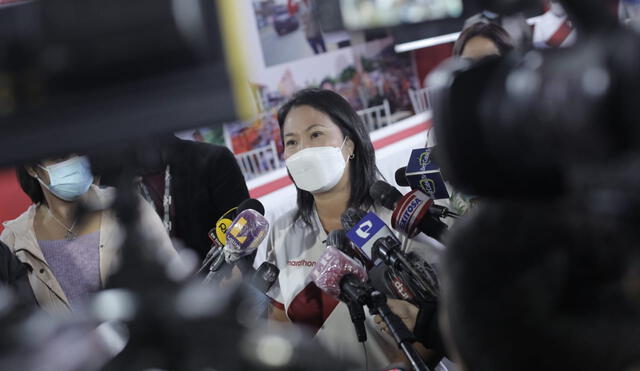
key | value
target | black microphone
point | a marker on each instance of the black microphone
(401, 177)
(251, 203)
(265, 277)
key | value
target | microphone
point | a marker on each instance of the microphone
(217, 234)
(423, 173)
(243, 236)
(341, 276)
(412, 213)
(265, 277)
(382, 279)
(338, 238)
(401, 177)
(378, 243)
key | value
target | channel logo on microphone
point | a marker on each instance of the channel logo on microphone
(367, 231)
(423, 173)
(429, 185)
(247, 231)
(425, 159)
(421, 160)
(410, 209)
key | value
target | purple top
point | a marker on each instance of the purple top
(75, 264)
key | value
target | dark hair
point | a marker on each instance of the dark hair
(30, 185)
(522, 276)
(363, 166)
(488, 30)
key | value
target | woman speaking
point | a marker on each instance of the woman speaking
(331, 160)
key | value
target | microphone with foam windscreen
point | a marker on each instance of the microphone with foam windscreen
(338, 238)
(343, 277)
(218, 234)
(243, 236)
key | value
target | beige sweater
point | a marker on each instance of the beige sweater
(19, 235)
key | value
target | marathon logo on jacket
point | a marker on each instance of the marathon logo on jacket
(301, 263)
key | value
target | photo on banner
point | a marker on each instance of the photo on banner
(289, 30)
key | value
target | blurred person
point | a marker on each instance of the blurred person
(191, 185)
(532, 285)
(478, 40)
(67, 258)
(553, 29)
(481, 40)
(331, 161)
(305, 11)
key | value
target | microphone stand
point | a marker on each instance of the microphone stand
(214, 268)
(401, 334)
(356, 311)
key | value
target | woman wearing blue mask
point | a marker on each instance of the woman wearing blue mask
(67, 258)
(331, 160)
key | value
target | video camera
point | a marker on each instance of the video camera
(521, 125)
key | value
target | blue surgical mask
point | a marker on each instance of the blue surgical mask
(69, 179)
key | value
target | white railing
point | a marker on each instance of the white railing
(420, 100)
(265, 159)
(259, 161)
(376, 117)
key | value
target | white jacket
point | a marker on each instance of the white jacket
(19, 235)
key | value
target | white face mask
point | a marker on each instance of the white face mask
(317, 169)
